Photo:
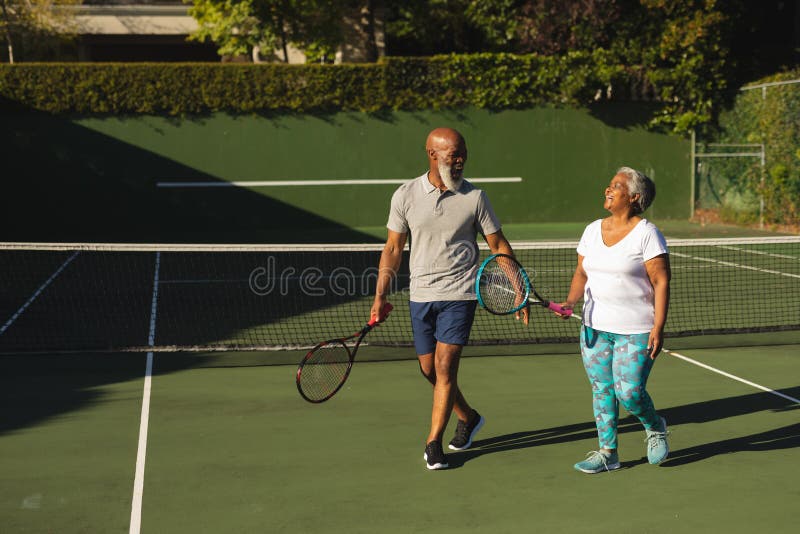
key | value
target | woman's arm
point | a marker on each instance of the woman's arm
(576, 287)
(658, 270)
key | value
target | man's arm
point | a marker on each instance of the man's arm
(498, 244)
(389, 264)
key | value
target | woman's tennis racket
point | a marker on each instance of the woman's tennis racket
(503, 287)
(326, 367)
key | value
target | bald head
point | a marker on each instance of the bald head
(444, 138)
(447, 153)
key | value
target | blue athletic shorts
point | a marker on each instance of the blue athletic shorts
(448, 321)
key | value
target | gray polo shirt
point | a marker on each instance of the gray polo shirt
(443, 227)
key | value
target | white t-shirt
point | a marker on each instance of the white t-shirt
(618, 296)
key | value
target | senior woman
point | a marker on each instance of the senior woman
(623, 275)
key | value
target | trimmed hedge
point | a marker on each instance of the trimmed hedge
(495, 81)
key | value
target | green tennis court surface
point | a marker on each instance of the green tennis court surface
(231, 447)
(218, 441)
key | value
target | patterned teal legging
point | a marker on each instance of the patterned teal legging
(618, 366)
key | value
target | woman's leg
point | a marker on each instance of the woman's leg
(597, 353)
(631, 369)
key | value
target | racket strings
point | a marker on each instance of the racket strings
(503, 286)
(325, 370)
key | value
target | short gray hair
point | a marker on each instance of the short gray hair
(641, 184)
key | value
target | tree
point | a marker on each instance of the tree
(683, 51)
(678, 50)
(38, 23)
(558, 26)
(427, 27)
(250, 27)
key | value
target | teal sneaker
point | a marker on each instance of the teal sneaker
(657, 447)
(597, 461)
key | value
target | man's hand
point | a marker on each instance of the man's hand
(524, 314)
(377, 309)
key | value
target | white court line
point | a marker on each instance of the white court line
(141, 453)
(761, 252)
(723, 373)
(295, 183)
(733, 377)
(737, 265)
(37, 293)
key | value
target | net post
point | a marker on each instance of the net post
(761, 196)
(692, 178)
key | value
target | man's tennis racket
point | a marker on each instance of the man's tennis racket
(326, 367)
(503, 287)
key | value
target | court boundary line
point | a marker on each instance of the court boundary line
(735, 265)
(305, 183)
(760, 252)
(731, 376)
(141, 451)
(38, 292)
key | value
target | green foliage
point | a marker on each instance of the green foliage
(774, 122)
(238, 27)
(558, 26)
(496, 81)
(689, 71)
(35, 29)
(232, 25)
(677, 52)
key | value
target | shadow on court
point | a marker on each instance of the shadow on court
(38, 388)
(700, 412)
(66, 182)
(785, 437)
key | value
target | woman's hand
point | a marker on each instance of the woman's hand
(655, 342)
(566, 306)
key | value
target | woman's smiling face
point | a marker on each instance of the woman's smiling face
(617, 196)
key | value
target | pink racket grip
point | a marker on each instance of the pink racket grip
(384, 313)
(558, 309)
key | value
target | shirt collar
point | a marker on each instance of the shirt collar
(427, 186)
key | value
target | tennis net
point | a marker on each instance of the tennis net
(65, 297)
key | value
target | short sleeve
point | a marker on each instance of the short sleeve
(485, 218)
(586, 238)
(653, 243)
(397, 213)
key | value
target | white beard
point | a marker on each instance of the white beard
(447, 178)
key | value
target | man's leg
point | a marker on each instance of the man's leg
(428, 370)
(445, 364)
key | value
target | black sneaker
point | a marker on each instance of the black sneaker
(465, 432)
(434, 456)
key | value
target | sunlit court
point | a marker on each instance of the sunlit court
(130, 408)
(399, 266)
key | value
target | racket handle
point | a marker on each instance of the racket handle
(559, 309)
(384, 313)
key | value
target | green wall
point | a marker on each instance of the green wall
(106, 169)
